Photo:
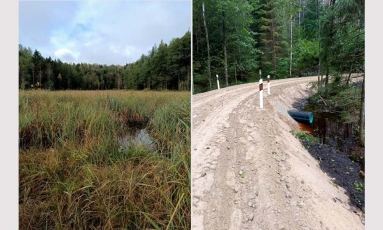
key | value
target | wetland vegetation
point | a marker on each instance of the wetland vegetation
(74, 172)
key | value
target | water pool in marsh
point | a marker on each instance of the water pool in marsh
(137, 137)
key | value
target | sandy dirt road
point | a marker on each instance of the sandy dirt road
(250, 172)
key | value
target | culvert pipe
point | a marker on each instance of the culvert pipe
(301, 116)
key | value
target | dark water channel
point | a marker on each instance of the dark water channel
(329, 130)
(338, 151)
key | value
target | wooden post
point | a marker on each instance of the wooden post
(261, 93)
(268, 84)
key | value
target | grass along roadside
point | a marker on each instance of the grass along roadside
(72, 174)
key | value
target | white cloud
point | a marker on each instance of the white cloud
(65, 53)
(108, 32)
(130, 51)
(114, 49)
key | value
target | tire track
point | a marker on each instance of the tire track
(231, 134)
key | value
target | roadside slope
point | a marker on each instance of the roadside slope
(281, 187)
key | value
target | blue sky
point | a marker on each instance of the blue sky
(103, 32)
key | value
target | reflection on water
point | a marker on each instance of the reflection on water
(328, 128)
(139, 137)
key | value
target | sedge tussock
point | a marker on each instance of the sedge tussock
(74, 174)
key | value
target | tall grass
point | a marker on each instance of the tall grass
(72, 174)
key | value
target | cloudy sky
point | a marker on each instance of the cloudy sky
(103, 32)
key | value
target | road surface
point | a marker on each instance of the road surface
(250, 172)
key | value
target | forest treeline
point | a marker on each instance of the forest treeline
(166, 66)
(290, 38)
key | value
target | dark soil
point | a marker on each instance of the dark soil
(344, 171)
(338, 151)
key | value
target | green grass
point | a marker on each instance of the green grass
(359, 186)
(73, 174)
(304, 136)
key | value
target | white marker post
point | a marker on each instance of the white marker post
(268, 84)
(260, 73)
(261, 93)
(217, 81)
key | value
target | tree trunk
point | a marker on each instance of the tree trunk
(118, 81)
(291, 43)
(240, 61)
(362, 115)
(40, 72)
(235, 74)
(327, 47)
(149, 82)
(326, 82)
(196, 36)
(178, 83)
(49, 73)
(319, 67)
(207, 42)
(33, 77)
(188, 81)
(303, 16)
(349, 76)
(22, 85)
(274, 44)
(299, 14)
(224, 47)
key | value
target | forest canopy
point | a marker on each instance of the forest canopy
(164, 67)
(234, 39)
